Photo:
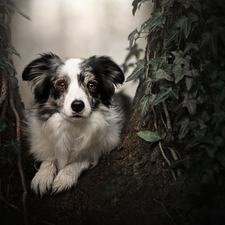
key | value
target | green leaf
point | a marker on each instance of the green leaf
(190, 102)
(132, 36)
(7, 66)
(166, 92)
(184, 127)
(139, 70)
(195, 73)
(191, 46)
(150, 136)
(2, 21)
(161, 74)
(189, 82)
(13, 83)
(154, 62)
(145, 104)
(174, 33)
(200, 138)
(180, 58)
(135, 6)
(185, 23)
(218, 118)
(8, 161)
(180, 72)
(3, 126)
(12, 50)
(11, 6)
(209, 40)
(148, 84)
(157, 19)
(14, 145)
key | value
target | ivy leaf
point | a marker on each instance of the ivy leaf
(135, 6)
(161, 74)
(191, 46)
(200, 138)
(166, 92)
(11, 6)
(2, 21)
(145, 104)
(131, 37)
(148, 84)
(209, 40)
(3, 126)
(13, 145)
(185, 23)
(12, 50)
(8, 161)
(195, 73)
(150, 136)
(180, 72)
(184, 127)
(13, 83)
(194, 3)
(174, 33)
(157, 19)
(139, 70)
(180, 59)
(189, 82)
(190, 102)
(154, 62)
(218, 118)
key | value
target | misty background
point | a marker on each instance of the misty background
(75, 29)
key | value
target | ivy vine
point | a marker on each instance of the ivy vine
(189, 70)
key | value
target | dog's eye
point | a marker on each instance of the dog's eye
(91, 86)
(62, 84)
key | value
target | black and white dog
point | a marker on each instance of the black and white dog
(73, 119)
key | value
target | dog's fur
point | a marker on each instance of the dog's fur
(73, 119)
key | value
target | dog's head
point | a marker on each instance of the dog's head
(72, 87)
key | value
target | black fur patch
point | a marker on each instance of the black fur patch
(40, 73)
(107, 73)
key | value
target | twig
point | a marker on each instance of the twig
(167, 160)
(173, 153)
(155, 124)
(7, 203)
(19, 159)
(165, 210)
(4, 107)
(163, 120)
(167, 115)
(3, 93)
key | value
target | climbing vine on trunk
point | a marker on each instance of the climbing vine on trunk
(184, 74)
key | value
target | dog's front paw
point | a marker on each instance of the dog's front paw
(63, 181)
(43, 179)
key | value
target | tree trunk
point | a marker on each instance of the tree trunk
(128, 186)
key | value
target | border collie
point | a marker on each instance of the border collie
(73, 119)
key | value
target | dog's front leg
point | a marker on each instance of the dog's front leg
(68, 176)
(43, 179)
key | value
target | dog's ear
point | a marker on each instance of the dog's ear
(39, 74)
(110, 75)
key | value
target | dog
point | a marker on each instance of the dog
(74, 118)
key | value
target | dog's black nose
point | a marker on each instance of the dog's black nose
(77, 106)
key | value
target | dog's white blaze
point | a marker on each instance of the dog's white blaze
(75, 92)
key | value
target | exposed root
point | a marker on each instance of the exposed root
(165, 210)
(167, 160)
